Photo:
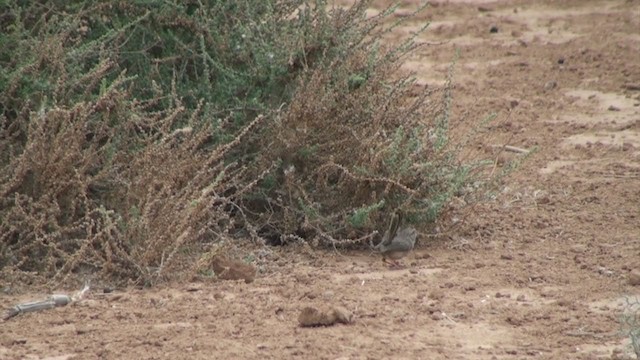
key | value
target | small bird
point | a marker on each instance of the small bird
(396, 243)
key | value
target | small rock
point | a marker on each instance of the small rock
(493, 29)
(311, 316)
(561, 61)
(310, 295)
(514, 321)
(469, 287)
(550, 85)
(506, 257)
(613, 108)
(81, 330)
(564, 303)
(118, 297)
(521, 298)
(604, 271)
(342, 315)
(500, 295)
(634, 278)
(437, 316)
(630, 86)
(436, 294)
(20, 341)
(328, 294)
(578, 248)
(194, 287)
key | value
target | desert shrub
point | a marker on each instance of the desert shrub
(630, 321)
(134, 135)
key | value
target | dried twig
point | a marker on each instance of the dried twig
(511, 148)
(52, 301)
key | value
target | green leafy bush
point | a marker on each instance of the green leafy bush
(134, 132)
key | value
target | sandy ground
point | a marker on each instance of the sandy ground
(542, 273)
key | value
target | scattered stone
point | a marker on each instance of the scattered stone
(193, 287)
(561, 61)
(484, 9)
(328, 294)
(634, 278)
(14, 341)
(469, 287)
(550, 85)
(493, 29)
(521, 298)
(500, 295)
(436, 294)
(437, 316)
(578, 248)
(81, 330)
(626, 146)
(604, 271)
(613, 108)
(118, 297)
(506, 257)
(564, 303)
(514, 321)
(302, 278)
(311, 316)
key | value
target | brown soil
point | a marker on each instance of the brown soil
(542, 272)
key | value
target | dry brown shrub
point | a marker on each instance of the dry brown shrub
(356, 143)
(73, 204)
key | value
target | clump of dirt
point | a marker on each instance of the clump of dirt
(228, 269)
(312, 316)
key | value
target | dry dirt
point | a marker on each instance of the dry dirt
(541, 273)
